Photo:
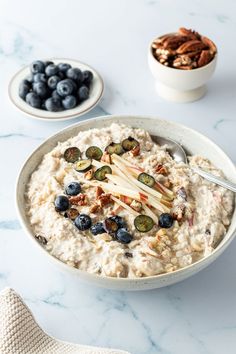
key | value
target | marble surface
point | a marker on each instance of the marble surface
(195, 316)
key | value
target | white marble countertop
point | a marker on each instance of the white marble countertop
(195, 316)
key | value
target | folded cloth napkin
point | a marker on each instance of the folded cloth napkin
(20, 334)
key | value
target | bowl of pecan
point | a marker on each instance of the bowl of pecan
(182, 63)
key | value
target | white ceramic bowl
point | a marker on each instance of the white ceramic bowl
(180, 85)
(96, 91)
(192, 141)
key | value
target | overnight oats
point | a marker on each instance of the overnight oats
(112, 202)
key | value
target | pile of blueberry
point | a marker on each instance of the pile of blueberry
(54, 87)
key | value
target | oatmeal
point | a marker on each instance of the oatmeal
(112, 202)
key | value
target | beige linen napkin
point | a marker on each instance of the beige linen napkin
(20, 334)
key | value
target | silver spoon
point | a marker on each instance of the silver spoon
(177, 152)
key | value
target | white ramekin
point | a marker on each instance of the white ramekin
(180, 85)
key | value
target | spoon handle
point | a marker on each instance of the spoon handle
(210, 177)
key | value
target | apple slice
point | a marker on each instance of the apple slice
(125, 206)
(124, 164)
(147, 189)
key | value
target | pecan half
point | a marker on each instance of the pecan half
(161, 169)
(80, 199)
(194, 54)
(191, 46)
(205, 58)
(190, 33)
(94, 208)
(99, 191)
(211, 45)
(162, 39)
(104, 199)
(175, 41)
(157, 45)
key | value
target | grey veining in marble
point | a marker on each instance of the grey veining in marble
(197, 316)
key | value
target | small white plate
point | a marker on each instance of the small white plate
(96, 91)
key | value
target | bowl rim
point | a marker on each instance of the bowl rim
(55, 118)
(177, 70)
(201, 263)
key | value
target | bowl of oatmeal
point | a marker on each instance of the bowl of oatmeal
(103, 201)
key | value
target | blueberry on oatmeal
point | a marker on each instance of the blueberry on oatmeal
(83, 222)
(61, 203)
(73, 188)
(123, 236)
(97, 229)
(165, 220)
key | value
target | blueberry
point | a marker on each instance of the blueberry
(97, 228)
(27, 82)
(33, 100)
(65, 87)
(40, 77)
(63, 67)
(41, 89)
(61, 203)
(83, 93)
(165, 220)
(48, 62)
(37, 67)
(123, 236)
(119, 220)
(56, 95)
(53, 104)
(23, 89)
(75, 86)
(51, 70)
(30, 78)
(74, 74)
(87, 77)
(61, 75)
(69, 102)
(83, 222)
(43, 105)
(53, 81)
(73, 188)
